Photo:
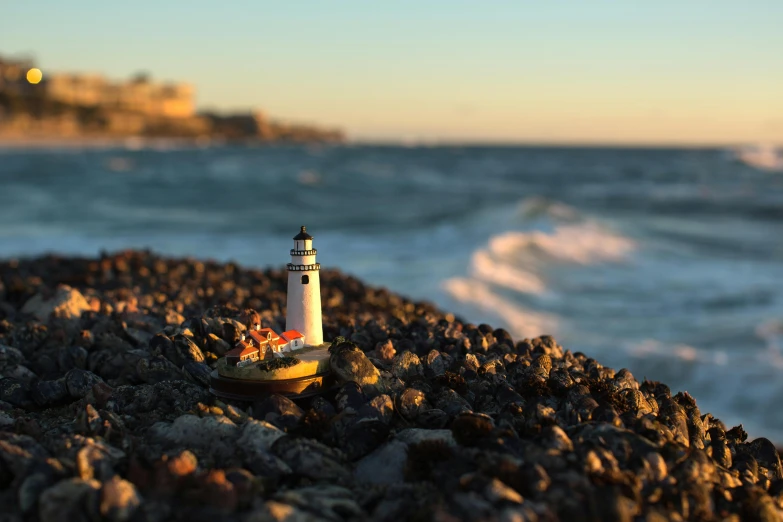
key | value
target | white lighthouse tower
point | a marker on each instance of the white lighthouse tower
(304, 291)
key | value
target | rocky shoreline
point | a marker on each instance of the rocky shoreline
(105, 413)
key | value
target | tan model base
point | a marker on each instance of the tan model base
(313, 360)
(250, 390)
(309, 377)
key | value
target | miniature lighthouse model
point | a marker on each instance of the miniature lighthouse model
(249, 371)
(303, 312)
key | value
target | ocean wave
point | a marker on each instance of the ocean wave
(737, 387)
(584, 243)
(484, 267)
(520, 321)
(763, 157)
(771, 332)
(682, 352)
(516, 266)
(537, 207)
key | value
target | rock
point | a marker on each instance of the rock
(9, 358)
(6, 421)
(65, 501)
(324, 501)
(198, 371)
(436, 363)
(433, 419)
(349, 364)
(169, 475)
(313, 460)
(555, 438)
(174, 318)
(18, 453)
(257, 437)
(362, 436)
(544, 433)
(407, 366)
(31, 488)
(67, 303)
(119, 499)
(452, 403)
(182, 351)
(386, 465)
(218, 345)
(273, 511)
(157, 369)
(766, 454)
(15, 392)
(412, 403)
(469, 428)
(88, 421)
(245, 486)
(379, 408)
(163, 401)
(215, 490)
(350, 397)
(385, 351)
(280, 411)
(215, 435)
(97, 461)
(323, 406)
(363, 341)
(80, 382)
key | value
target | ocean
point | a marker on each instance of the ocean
(668, 262)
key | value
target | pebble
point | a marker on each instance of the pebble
(105, 412)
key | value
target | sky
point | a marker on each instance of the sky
(597, 72)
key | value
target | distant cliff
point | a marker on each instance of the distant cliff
(85, 106)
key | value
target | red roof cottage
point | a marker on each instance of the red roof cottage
(244, 354)
(294, 339)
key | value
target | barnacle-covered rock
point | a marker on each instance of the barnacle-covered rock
(313, 460)
(349, 364)
(105, 412)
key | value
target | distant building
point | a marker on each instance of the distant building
(78, 104)
(241, 125)
(138, 95)
(13, 75)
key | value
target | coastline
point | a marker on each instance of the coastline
(80, 142)
(127, 142)
(105, 366)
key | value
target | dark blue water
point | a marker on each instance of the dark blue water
(668, 262)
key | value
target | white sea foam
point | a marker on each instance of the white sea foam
(771, 332)
(583, 243)
(487, 269)
(518, 261)
(520, 321)
(763, 156)
(683, 352)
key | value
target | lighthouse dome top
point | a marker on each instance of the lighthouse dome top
(302, 235)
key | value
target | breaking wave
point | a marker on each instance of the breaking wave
(516, 264)
(583, 244)
(523, 322)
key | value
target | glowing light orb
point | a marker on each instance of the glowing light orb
(34, 75)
